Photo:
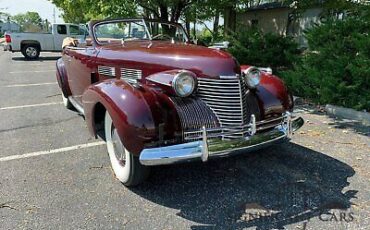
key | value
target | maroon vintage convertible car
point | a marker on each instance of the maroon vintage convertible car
(159, 99)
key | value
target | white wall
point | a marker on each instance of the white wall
(276, 21)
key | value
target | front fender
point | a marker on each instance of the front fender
(62, 77)
(139, 113)
(273, 96)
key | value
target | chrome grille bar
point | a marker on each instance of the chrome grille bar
(107, 70)
(224, 97)
(131, 75)
(194, 114)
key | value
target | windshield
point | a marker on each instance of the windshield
(164, 31)
(118, 31)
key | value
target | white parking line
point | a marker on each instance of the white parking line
(33, 71)
(25, 85)
(34, 105)
(30, 64)
(47, 152)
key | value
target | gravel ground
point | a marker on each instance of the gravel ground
(320, 180)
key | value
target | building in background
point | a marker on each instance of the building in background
(279, 18)
(9, 27)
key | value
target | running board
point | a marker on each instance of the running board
(77, 106)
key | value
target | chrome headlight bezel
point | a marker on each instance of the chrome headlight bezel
(179, 80)
(252, 77)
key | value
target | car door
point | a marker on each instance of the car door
(77, 32)
(60, 33)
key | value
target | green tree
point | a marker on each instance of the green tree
(252, 46)
(29, 20)
(336, 69)
(4, 16)
(81, 11)
(167, 10)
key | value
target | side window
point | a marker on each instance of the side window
(74, 30)
(62, 29)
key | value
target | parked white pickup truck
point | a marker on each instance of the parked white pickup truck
(31, 44)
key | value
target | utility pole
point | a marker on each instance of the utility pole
(8, 24)
(55, 21)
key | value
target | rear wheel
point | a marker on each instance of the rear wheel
(126, 166)
(31, 51)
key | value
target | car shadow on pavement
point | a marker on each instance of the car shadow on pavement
(338, 123)
(40, 59)
(267, 189)
(356, 126)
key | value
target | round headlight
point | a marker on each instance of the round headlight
(252, 77)
(184, 84)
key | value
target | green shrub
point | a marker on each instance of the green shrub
(205, 37)
(253, 47)
(336, 70)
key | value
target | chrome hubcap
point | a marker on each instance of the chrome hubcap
(31, 51)
(119, 150)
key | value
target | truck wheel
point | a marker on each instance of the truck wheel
(66, 102)
(126, 166)
(31, 52)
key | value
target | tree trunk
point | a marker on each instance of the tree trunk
(164, 13)
(187, 25)
(195, 29)
(216, 24)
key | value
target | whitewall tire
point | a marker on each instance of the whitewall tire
(126, 166)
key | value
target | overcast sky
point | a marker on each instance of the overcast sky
(43, 7)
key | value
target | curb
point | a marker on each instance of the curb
(346, 113)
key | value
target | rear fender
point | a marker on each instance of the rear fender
(137, 112)
(62, 78)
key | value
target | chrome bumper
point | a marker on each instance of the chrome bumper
(210, 148)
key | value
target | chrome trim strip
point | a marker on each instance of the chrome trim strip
(158, 82)
(77, 105)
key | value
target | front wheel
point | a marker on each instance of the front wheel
(126, 166)
(31, 52)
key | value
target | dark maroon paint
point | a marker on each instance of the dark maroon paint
(138, 110)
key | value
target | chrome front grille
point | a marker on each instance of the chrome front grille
(131, 75)
(223, 96)
(107, 70)
(231, 101)
(194, 114)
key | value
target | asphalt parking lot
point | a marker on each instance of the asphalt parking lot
(53, 175)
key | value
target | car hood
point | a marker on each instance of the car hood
(155, 56)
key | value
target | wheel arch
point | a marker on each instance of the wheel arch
(137, 113)
(62, 78)
(132, 117)
(31, 42)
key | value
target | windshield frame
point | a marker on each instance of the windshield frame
(93, 26)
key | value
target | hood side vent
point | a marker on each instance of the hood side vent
(107, 71)
(131, 75)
